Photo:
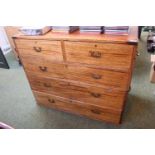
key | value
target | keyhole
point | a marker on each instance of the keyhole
(95, 45)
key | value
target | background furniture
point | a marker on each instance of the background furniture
(86, 74)
(11, 31)
(139, 31)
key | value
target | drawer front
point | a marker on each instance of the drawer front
(44, 67)
(75, 91)
(49, 49)
(38, 45)
(100, 77)
(91, 111)
(116, 56)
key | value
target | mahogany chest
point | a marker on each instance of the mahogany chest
(85, 74)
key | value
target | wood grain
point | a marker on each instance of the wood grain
(84, 93)
(44, 67)
(99, 77)
(109, 55)
(85, 74)
(44, 45)
(77, 36)
(71, 106)
(80, 73)
(48, 55)
(50, 50)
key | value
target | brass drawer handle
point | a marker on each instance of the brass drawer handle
(44, 69)
(37, 49)
(47, 85)
(96, 76)
(97, 95)
(51, 100)
(95, 54)
(96, 111)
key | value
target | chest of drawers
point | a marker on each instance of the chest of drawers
(85, 74)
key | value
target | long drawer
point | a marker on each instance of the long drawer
(91, 111)
(81, 73)
(116, 56)
(39, 48)
(84, 93)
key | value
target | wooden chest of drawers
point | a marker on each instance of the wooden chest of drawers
(86, 74)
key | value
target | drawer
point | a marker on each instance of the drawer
(99, 77)
(49, 49)
(103, 78)
(115, 56)
(63, 104)
(38, 45)
(44, 67)
(75, 91)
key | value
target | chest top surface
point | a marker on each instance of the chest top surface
(131, 38)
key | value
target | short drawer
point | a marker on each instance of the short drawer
(38, 45)
(116, 56)
(99, 77)
(71, 106)
(75, 91)
(44, 67)
(49, 49)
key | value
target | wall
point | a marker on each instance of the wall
(4, 43)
